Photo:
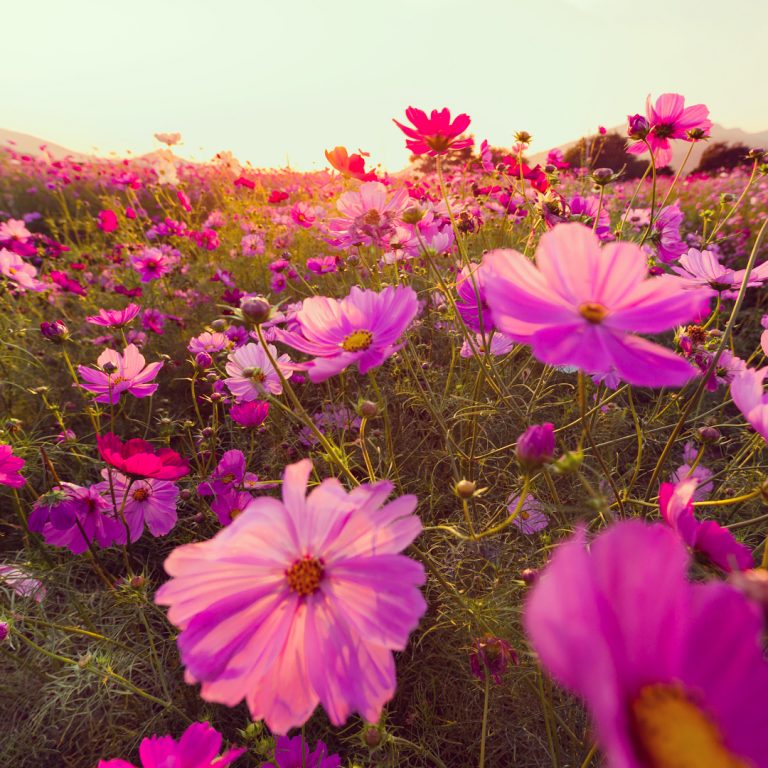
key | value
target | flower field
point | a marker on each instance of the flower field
(461, 466)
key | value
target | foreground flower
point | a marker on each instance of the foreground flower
(198, 747)
(138, 458)
(672, 673)
(361, 329)
(252, 375)
(707, 538)
(581, 303)
(436, 134)
(9, 468)
(294, 753)
(669, 119)
(300, 602)
(118, 373)
(750, 398)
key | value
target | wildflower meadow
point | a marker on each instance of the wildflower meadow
(456, 466)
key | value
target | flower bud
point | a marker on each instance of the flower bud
(568, 463)
(185, 494)
(465, 489)
(529, 575)
(372, 737)
(536, 446)
(523, 137)
(255, 308)
(638, 127)
(413, 214)
(491, 656)
(696, 134)
(137, 582)
(55, 331)
(368, 409)
(219, 325)
(601, 176)
(708, 434)
(203, 360)
(755, 153)
(109, 368)
(549, 168)
(3, 630)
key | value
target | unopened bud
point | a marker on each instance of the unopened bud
(638, 127)
(602, 176)
(368, 409)
(528, 575)
(255, 308)
(372, 737)
(219, 325)
(203, 360)
(708, 434)
(568, 463)
(465, 489)
(137, 582)
(523, 137)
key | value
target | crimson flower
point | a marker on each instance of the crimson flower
(349, 165)
(436, 134)
(138, 458)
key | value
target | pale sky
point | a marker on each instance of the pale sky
(273, 80)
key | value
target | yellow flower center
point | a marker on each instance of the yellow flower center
(304, 575)
(358, 341)
(593, 312)
(673, 732)
(117, 380)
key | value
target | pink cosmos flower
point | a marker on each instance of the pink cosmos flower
(251, 374)
(496, 344)
(118, 373)
(138, 458)
(708, 538)
(303, 215)
(436, 134)
(703, 269)
(470, 302)
(294, 753)
(251, 414)
(208, 342)
(670, 671)
(531, 518)
(665, 234)
(107, 221)
(114, 318)
(24, 275)
(362, 329)
(14, 230)
(580, 305)
(72, 516)
(9, 468)
(20, 581)
(144, 501)
(750, 398)
(198, 747)
(300, 602)
(369, 216)
(152, 264)
(670, 119)
(349, 165)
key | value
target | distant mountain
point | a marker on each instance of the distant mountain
(32, 145)
(679, 148)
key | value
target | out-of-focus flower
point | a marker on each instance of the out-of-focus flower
(703, 269)
(361, 329)
(436, 134)
(530, 517)
(55, 330)
(294, 753)
(665, 234)
(491, 656)
(750, 398)
(707, 538)
(292, 584)
(198, 747)
(581, 305)
(107, 221)
(152, 263)
(667, 668)
(118, 373)
(24, 275)
(349, 165)
(250, 414)
(169, 139)
(138, 458)
(21, 582)
(10, 467)
(114, 318)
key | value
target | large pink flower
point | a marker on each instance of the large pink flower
(581, 304)
(300, 602)
(669, 119)
(9, 468)
(118, 373)
(362, 328)
(436, 134)
(671, 672)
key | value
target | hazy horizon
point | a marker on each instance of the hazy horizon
(277, 83)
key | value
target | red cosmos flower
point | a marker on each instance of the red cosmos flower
(276, 196)
(436, 134)
(241, 181)
(349, 165)
(138, 458)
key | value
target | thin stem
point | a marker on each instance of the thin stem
(484, 726)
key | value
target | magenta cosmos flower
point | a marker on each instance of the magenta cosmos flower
(436, 134)
(294, 753)
(707, 538)
(118, 373)
(198, 747)
(138, 458)
(750, 398)
(114, 318)
(9, 468)
(669, 119)
(703, 269)
(672, 673)
(581, 304)
(300, 602)
(252, 375)
(361, 329)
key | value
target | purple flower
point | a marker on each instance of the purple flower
(530, 518)
(536, 446)
(229, 474)
(491, 656)
(665, 234)
(470, 301)
(294, 753)
(361, 329)
(229, 504)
